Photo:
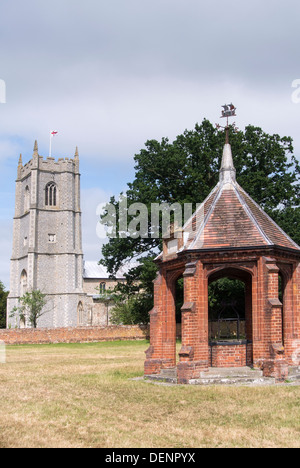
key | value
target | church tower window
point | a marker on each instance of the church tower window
(80, 313)
(27, 199)
(51, 194)
(23, 283)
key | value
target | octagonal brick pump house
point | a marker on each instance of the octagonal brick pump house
(228, 236)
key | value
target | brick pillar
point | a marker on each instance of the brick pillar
(153, 362)
(193, 355)
(275, 366)
(292, 316)
(161, 353)
(248, 310)
(259, 288)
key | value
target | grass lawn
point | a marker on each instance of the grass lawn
(81, 395)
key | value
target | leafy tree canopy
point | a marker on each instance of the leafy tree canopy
(186, 170)
(30, 308)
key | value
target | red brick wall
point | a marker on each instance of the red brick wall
(239, 355)
(73, 335)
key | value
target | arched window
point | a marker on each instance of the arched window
(51, 194)
(27, 199)
(23, 290)
(23, 283)
(80, 314)
(102, 288)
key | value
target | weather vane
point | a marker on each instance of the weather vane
(228, 111)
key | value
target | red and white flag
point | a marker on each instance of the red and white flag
(52, 134)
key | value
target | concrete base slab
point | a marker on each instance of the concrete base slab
(218, 376)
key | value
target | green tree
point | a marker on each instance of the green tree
(186, 170)
(3, 301)
(31, 306)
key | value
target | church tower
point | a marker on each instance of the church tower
(47, 244)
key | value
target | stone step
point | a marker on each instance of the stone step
(232, 373)
(225, 376)
(162, 378)
(233, 381)
(218, 376)
(294, 373)
(171, 372)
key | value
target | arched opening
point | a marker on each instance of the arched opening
(80, 314)
(226, 310)
(179, 298)
(23, 290)
(51, 194)
(230, 318)
(23, 283)
(27, 199)
(172, 317)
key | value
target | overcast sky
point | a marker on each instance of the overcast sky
(108, 75)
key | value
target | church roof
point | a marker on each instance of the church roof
(92, 270)
(230, 218)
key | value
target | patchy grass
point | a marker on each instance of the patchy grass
(81, 395)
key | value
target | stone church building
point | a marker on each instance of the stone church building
(47, 247)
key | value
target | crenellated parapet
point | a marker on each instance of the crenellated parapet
(48, 164)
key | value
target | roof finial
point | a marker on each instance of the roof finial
(76, 153)
(227, 171)
(20, 161)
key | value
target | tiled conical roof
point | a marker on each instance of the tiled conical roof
(230, 218)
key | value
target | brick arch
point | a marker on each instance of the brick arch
(174, 275)
(172, 278)
(233, 272)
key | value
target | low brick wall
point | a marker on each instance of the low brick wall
(73, 335)
(231, 355)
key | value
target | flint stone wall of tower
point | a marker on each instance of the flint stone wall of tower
(47, 242)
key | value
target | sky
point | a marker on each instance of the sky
(109, 75)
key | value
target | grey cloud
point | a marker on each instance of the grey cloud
(108, 75)
(252, 40)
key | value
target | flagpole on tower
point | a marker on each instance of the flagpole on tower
(52, 134)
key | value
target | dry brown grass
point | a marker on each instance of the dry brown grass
(82, 396)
